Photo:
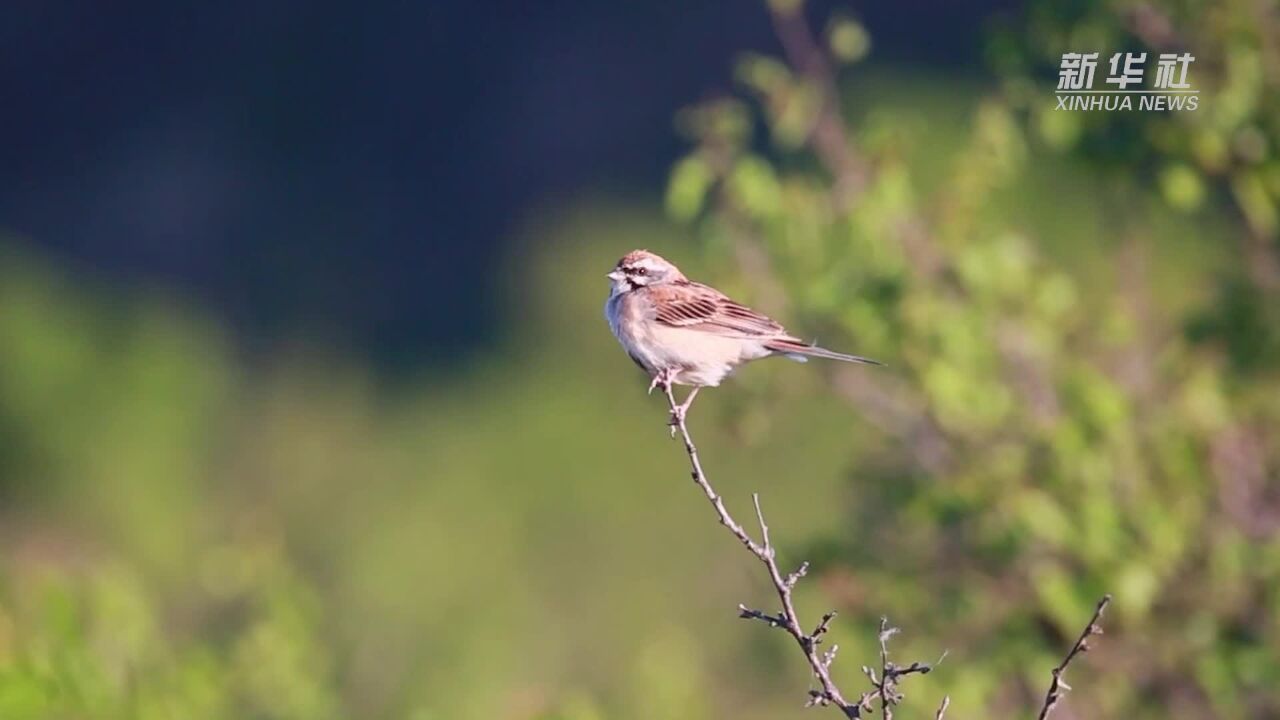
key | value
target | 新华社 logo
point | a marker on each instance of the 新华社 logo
(1123, 87)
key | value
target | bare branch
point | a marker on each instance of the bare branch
(823, 626)
(786, 619)
(887, 694)
(777, 621)
(800, 572)
(1059, 687)
(700, 478)
(887, 685)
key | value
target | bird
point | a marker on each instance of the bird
(682, 332)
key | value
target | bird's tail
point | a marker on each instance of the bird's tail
(797, 350)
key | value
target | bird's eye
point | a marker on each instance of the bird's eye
(642, 271)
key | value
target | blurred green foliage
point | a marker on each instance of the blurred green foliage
(1085, 392)
(1083, 396)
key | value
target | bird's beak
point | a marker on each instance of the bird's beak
(615, 275)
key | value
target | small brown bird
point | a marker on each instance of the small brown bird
(687, 333)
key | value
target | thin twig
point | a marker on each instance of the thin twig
(886, 689)
(787, 619)
(887, 684)
(942, 709)
(700, 478)
(1059, 687)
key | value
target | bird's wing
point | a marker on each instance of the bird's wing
(703, 308)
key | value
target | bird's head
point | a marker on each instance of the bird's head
(640, 268)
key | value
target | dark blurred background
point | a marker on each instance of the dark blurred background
(352, 172)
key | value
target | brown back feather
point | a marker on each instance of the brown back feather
(694, 305)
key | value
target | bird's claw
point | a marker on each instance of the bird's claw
(664, 379)
(661, 379)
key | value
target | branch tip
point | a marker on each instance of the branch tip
(1059, 687)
